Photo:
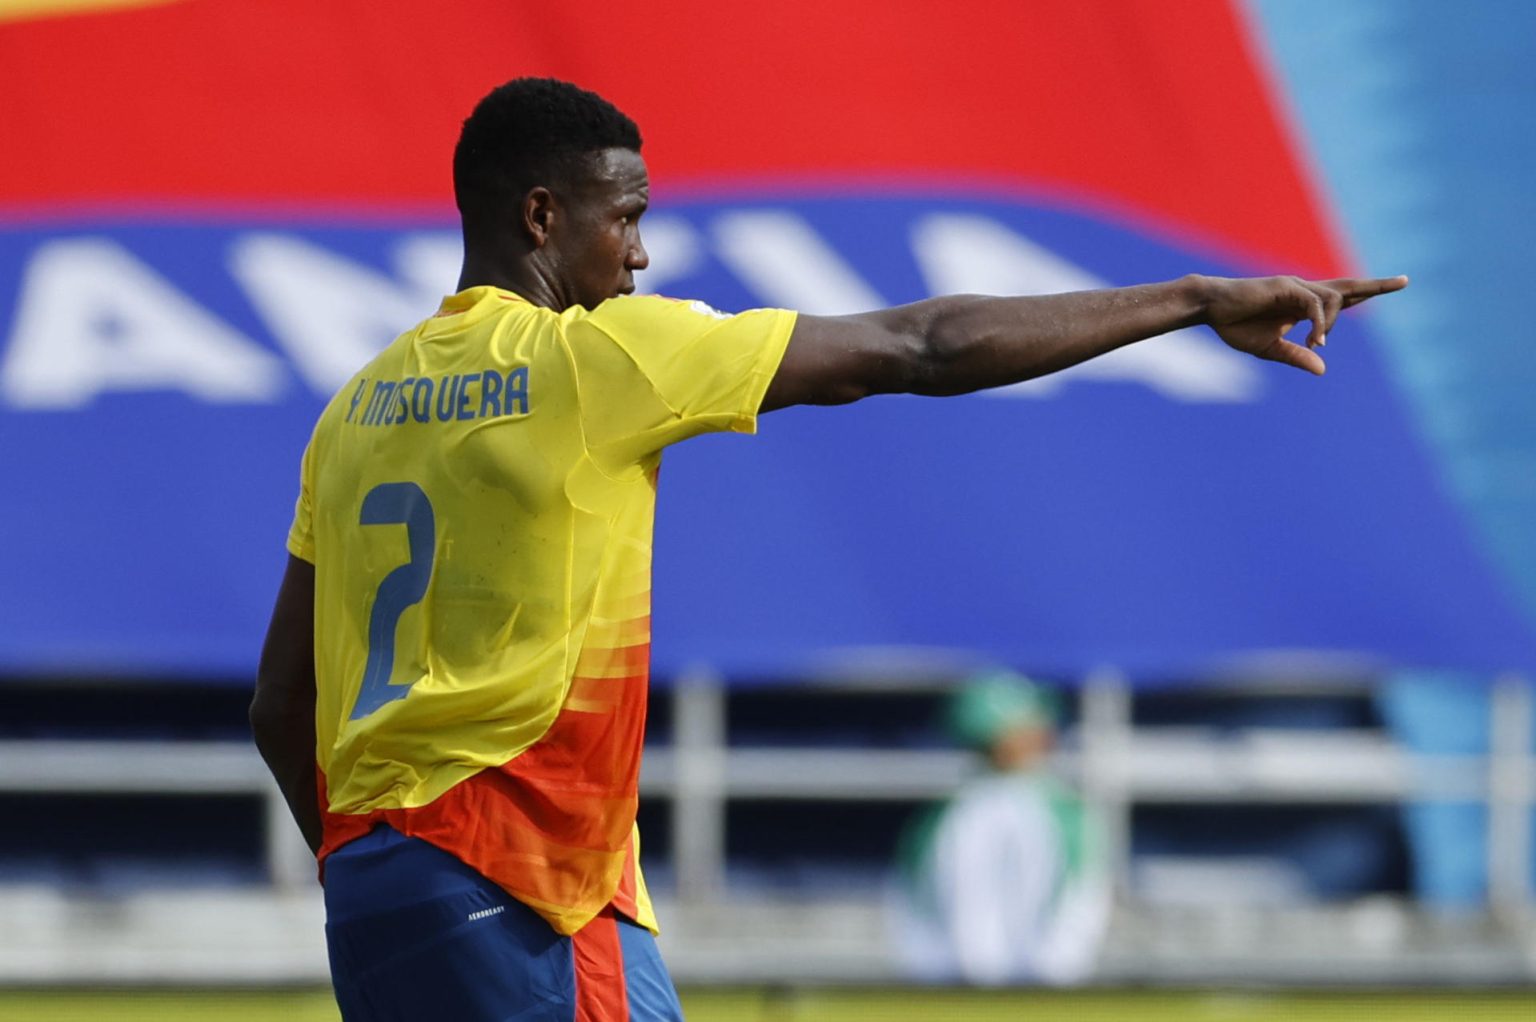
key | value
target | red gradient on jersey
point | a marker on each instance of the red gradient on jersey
(601, 994)
(1149, 109)
(554, 826)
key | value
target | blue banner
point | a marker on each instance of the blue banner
(1173, 507)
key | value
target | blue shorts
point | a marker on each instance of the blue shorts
(417, 936)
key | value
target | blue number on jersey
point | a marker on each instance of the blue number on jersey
(395, 504)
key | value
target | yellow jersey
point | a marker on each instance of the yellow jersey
(478, 504)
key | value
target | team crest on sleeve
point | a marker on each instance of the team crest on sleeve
(702, 308)
(707, 310)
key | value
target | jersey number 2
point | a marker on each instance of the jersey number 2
(395, 504)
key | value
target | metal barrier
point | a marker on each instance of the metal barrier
(701, 773)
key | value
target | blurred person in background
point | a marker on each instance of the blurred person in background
(1007, 881)
(452, 690)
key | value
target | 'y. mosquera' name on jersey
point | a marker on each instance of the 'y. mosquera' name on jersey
(460, 396)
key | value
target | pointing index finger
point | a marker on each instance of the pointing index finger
(1357, 289)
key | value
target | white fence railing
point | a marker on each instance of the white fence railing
(1118, 764)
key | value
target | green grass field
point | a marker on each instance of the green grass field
(835, 1005)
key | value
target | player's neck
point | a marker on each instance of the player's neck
(520, 279)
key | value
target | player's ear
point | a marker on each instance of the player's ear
(538, 215)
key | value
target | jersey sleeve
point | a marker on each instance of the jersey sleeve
(301, 534)
(651, 371)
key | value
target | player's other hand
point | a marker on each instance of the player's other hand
(1253, 315)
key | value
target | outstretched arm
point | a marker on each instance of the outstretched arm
(283, 709)
(961, 343)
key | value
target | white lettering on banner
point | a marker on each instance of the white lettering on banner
(430, 261)
(786, 263)
(676, 251)
(91, 318)
(330, 314)
(967, 254)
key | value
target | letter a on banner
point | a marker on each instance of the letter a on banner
(91, 318)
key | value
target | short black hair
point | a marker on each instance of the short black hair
(531, 132)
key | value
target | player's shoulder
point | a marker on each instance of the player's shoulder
(641, 312)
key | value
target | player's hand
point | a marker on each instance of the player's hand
(1254, 315)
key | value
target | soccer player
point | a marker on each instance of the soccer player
(452, 690)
